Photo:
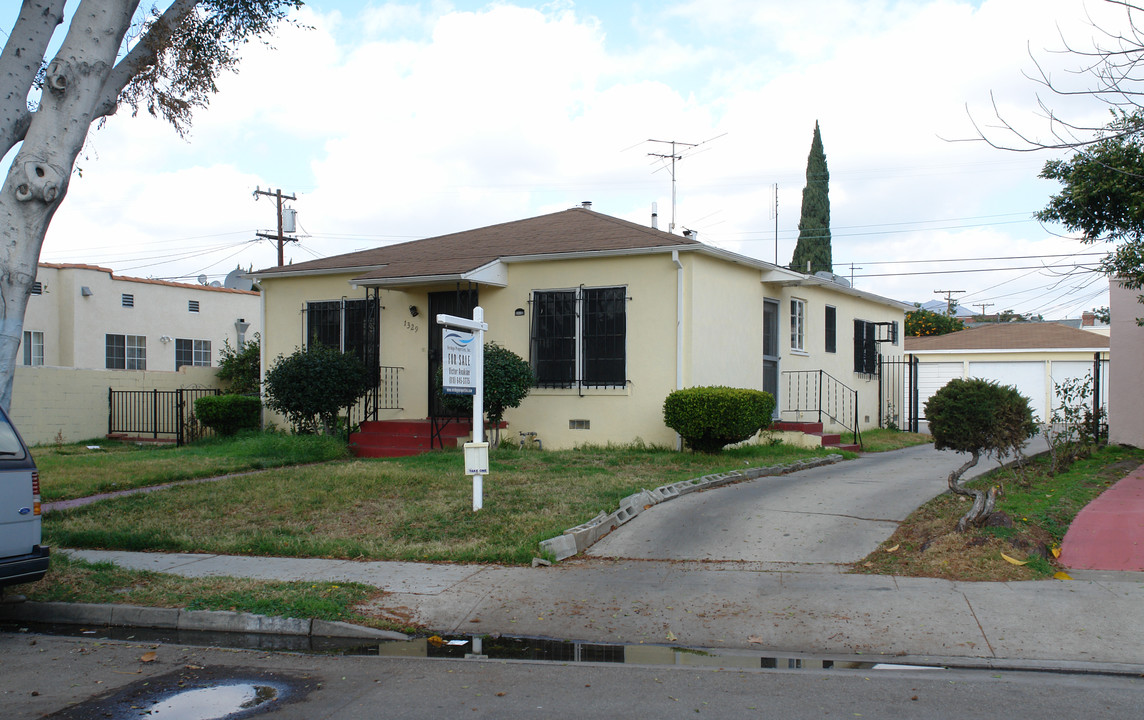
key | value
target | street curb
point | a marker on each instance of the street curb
(580, 538)
(112, 615)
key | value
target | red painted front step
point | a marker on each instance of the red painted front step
(402, 438)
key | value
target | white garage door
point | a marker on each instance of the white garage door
(1027, 377)
(933, 377)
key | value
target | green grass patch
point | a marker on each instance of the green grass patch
(417, 508)
(1039, 505)
(72, 471)
(75, 580)
(882, 440)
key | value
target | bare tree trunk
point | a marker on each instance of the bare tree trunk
(37, 180)
(983, 501)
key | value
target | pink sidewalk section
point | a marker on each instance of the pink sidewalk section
(1108, 534)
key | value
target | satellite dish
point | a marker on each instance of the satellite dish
(202, 279)
(215, 283)
(237, 279)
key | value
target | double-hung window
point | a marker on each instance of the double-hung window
(192, 352)
(126, 352)
(579, 337)
(33, 347)
(798, 324)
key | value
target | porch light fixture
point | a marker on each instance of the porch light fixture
(413, 311)
(519, 312)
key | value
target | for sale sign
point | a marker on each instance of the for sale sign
(459, 367)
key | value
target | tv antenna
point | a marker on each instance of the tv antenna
(679, 150)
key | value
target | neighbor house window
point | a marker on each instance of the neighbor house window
(128, 300)
(126, 352)
(797, 324)
(579, 337)
(192, 352)
(33, 347)
(831, 329)
(192, 306)
(865, 347)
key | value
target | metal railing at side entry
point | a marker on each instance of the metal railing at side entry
(818, 392)
(385, 395)
(157, 414)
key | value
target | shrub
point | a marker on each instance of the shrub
(227, 414)
(240, 368)
(708, 418)
(920, 323)
(507, 381)
(310, 387)
(977, 416)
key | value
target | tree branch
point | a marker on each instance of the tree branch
(142, 55)
(21, 59)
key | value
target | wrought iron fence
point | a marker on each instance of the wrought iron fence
(385, 395)
(819, 392)
(898, 392)
(157, 414)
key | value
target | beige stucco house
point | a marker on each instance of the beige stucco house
(87, 329)
(1030, 356)
(611, 315)
(1126, 373)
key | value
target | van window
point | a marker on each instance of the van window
(10, 445)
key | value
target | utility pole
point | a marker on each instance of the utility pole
(280, 238)
(948, 299)
(852, 269)
(982, 306)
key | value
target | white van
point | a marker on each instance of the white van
(22, 558)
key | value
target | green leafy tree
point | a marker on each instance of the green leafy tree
(310, 387)
(112, 54)
(507, 379)
(1102, 196)
(921, 322)
(978, 417)
(813, 244)
(241, 368)
(710, 418)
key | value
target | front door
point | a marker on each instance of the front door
(771, 350)
(459, 302)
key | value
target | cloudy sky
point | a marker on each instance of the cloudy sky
(397, 121)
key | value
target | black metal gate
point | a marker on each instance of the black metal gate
(898, 392)
(460, 303)
(157, 414)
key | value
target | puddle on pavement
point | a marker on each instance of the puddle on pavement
(481, 647)
(210, 703)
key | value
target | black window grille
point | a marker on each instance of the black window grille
(865, 347)
(579, 337)
(324, 323)
(831, 329)
(344, 325)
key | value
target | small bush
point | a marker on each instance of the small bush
(709, 418)
(311, 386)
(227, 414)
(979, 416)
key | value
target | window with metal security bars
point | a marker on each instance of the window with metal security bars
(126, 352)
(343, 325)
(128, 300)
(33, 347)
(192, 306)
(865, 347)
(196, 353)
(831, 328)
(579, 337)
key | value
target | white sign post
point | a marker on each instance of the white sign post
(463, 373)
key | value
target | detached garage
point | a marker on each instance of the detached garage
(1033, 357)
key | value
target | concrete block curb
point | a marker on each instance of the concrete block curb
(580, 538)
(176, 619)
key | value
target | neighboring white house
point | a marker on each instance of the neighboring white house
(86, 329)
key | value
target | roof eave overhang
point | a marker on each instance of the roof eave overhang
(796, 279)
(310, 273)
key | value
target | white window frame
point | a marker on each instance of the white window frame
(798, 324)
(33, 347)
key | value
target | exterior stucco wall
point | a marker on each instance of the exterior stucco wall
(1126, 368)
(723, 324)
(75, 325)
(52, 403)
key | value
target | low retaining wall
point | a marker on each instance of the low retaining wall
(580, 538)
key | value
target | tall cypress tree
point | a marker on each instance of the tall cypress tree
(814, 225)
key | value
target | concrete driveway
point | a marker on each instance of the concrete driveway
(833, 514)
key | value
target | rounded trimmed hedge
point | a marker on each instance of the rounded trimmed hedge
(227, 414)
(709, 418)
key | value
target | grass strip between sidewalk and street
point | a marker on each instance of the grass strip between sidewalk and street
(1033, 514)
(75, 470)
(411, 509)
(75, 580)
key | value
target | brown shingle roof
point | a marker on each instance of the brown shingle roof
(1010, 336)
(569, 231)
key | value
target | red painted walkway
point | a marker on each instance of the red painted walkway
(1108, 534)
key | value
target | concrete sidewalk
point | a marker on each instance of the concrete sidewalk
(761, 606)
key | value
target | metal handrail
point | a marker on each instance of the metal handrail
(820, 392)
